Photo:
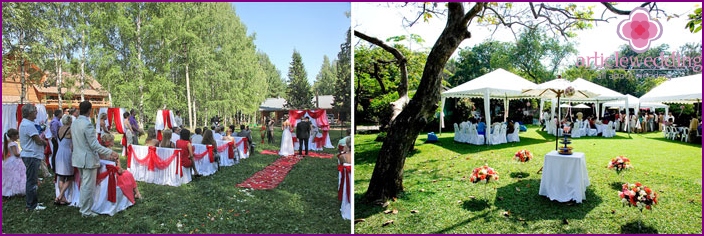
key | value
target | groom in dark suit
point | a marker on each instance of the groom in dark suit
(303, 134)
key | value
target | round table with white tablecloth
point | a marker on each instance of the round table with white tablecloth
(564, 177)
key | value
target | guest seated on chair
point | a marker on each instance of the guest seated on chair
(481, 128)
(151, 138)
(510, 127)
(166, 139)
(125, 179)
(187, 151)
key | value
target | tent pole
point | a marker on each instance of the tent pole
(557, 124)
(487, 117)
(442, 115)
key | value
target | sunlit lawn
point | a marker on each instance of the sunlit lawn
(305, 202)
(436, 185)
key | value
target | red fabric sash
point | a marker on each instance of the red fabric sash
(230, 149)
(345, 178)
(158, 135)
(130, 150)
(320, 142)
(206, 152)
(152, 160)
(294, 139)
(47, 153)
(167, 118)
(18, 114)
(112, 181)
(245, 146)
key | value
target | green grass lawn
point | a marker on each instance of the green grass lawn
(437, 186)
(305, 202)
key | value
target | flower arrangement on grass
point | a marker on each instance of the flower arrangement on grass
(483, 175)
(620, 163)
(569, 91)
(638, 195)
(523, 156)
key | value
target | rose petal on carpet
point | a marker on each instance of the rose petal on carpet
(310, 154)
(272, 175)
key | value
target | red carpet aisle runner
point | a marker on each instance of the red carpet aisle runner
(310, 154)
(272, 175)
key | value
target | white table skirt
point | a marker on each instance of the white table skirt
(564, 177)
(224, 154)
(204, 166)
(240, 147)
(167, 176)
(101, 205)
(345, 205)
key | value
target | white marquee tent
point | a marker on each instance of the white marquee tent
(499, 84)
(685, 89)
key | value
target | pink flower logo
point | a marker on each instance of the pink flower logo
(639, 30)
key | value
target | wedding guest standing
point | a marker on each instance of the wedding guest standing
(32, 155)
(85, 157)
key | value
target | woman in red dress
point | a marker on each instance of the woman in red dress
(186, 151)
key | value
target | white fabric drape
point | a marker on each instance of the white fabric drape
(346, 206)
(240, 148)
(159, 123)
(9, 117)
(564, 177)
(224, 155)
(312, 146)
(203, 165)
(101, 205)
(167, 176)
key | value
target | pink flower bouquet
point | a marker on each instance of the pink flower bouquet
(483, 174)
(638, 195)
(620, 163)
(569, 91)
(523, 156)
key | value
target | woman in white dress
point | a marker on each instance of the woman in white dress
(64, 169)
(14, 178)
(286, 140)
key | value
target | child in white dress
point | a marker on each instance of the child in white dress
(14, 173)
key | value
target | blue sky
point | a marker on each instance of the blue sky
(313, 29)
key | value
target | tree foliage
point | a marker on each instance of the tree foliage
(326, 78)
(142, 53)
(299, 94)
(342, 99)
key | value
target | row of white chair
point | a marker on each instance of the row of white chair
(466, 132)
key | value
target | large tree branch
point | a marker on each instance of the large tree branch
(401, 60)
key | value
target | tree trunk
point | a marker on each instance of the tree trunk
(83, 60)
(57, 64)
(188, 97)
(194, 123)
(387, 178)
(140, 79)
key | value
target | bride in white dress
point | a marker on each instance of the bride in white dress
(286, 140)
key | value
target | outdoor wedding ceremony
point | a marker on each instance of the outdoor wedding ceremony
(176, 118)
(537, 118)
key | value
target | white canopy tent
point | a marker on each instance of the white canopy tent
(499, 84)
(685, 89)
(634, 102)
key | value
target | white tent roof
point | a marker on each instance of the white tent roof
(633, 102)
(547, 90)
(605, 93)
(677, 90)
(499, 83)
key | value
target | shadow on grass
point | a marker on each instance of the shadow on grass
(632, 228)
(363, 209)
(618, 186)
(698, 145)
(523, 200)
(475, 204)
(519, 175)
(460, 224)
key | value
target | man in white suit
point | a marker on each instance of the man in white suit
(85, 156)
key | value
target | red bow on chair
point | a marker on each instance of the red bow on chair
(231, 150)
(345, 171)
(112, 181)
